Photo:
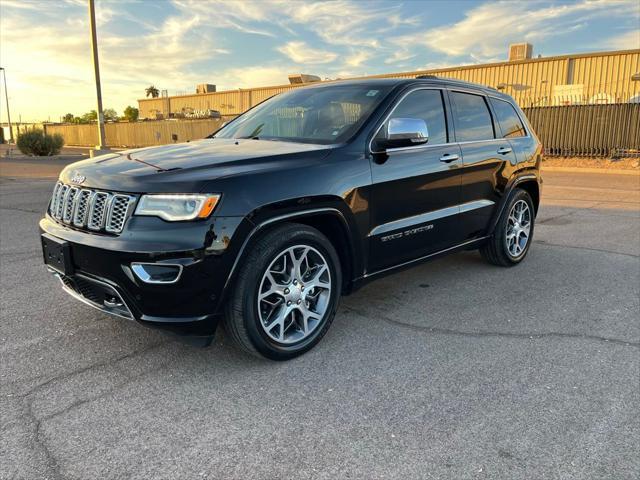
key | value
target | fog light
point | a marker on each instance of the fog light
(157, 272)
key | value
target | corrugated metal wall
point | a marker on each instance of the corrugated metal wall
(521, 80)
(591, 78)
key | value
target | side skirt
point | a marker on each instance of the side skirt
(468, 245)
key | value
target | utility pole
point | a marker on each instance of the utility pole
(6, 96)
(101, 147)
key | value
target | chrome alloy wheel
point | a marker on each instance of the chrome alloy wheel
(518, 228)
(294, 294)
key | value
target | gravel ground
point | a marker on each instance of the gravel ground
(625, 163)
(453, 369)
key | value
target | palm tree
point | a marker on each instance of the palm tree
(153, 91)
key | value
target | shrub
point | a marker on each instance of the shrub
(36, 142)
(131, 113)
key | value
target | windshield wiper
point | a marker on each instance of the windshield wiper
(254, 135)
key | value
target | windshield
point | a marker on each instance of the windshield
(324, 115)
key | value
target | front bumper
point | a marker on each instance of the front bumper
(103, 296)
(95, 293)
(102, 277)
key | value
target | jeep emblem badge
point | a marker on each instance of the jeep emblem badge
(77, 178)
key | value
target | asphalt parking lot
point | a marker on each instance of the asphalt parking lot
(454, 369)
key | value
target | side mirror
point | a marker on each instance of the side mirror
(403, 132)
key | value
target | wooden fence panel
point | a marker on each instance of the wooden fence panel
(84, 135)
(138, 134)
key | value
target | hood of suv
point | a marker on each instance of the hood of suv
(185, 167)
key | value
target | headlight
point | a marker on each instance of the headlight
(177, 207)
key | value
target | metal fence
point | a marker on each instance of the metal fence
(588, 130)
(567, 130)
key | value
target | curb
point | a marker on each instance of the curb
(608, 171)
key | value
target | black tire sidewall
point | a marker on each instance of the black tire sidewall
(258, 337)
(518, 194)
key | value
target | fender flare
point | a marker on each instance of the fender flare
(511, 185)
(259, 227)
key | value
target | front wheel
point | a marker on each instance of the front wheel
(286, 293)
(513, 234)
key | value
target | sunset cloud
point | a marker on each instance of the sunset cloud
(44, 45)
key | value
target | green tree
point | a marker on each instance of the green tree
(152, 91)
(110, 114)
(68, 118)
(90, 116)
(131, 113)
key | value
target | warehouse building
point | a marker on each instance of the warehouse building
(591, 78)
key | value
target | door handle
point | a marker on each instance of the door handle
(504, 150)
(449, 157)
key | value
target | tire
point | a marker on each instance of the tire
(501, 248)
(276, 325)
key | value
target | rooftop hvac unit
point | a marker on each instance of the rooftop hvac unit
(298, 78)
(520, 51)
(205, 88)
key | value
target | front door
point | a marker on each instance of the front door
(416, 190)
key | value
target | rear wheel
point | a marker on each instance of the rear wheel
(286, 293)
(513, 234)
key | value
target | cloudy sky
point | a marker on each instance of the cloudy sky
(175, 44)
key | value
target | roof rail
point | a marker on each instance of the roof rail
(423, 77)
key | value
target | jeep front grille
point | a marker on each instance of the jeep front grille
(91, 209)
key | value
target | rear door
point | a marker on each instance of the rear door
(512, 129)
(485, 157)
(416, 190)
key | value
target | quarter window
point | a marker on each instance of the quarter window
(428, 106)
(472, 117)
(509, 121)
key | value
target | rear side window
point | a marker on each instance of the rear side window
(472, 117)
(428, 106)
(508, 119)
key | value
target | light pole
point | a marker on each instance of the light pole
(96, 69)
(6, 96)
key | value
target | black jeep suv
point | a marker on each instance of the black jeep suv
(305, 197)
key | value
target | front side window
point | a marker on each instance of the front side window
(324, 115)
(472, 118)
(426, 105)
(508, 119)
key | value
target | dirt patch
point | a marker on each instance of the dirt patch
(632, 163)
